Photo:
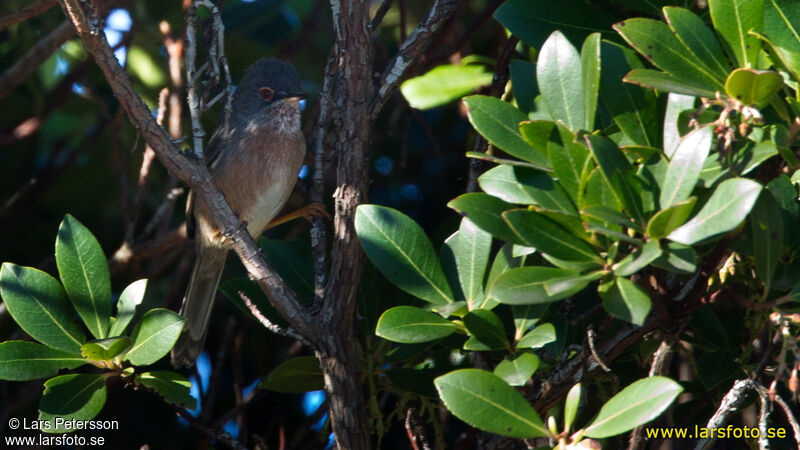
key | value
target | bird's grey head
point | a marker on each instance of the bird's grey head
(267, 83)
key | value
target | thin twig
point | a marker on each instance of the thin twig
(386, 5)
(218, 59)
(416, 431)
(467, 36)
(128, 253)
(175, 52)
(28, 12)
(189, 171)
(221, 436)
(787, 410)
(590, 341)
(219, 364)
(410, 50)
(657, 367)
(401, 5)
(34, 57)
(191, 94)
(144, 170)
(268, 324)
(499, 81)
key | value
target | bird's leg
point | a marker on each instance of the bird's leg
(306, 212)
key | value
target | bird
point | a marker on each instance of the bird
(255, 164)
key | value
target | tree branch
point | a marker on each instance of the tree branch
(410, 50)
(34, 57)
(28, 12)
(189, 171)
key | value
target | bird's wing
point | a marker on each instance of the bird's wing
(211, 155)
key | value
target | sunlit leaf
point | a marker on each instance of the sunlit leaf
(402, 252)
(727, 207)
(487, 402)
(444, 84)
(637, 404)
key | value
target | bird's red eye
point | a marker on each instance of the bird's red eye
(266, 94)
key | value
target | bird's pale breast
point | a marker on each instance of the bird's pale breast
(258, 176)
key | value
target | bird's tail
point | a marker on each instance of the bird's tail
(197, 304)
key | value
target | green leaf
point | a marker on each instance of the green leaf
(154, 336)
(665, 82)
(504, 260)
(685, 166)
(637, 404)
(785, 193)
(666, 221)
(627, 301)
(617, 172)
(71, 397)
(485, 327)
(677, 258)
(523, 82)
(537, 133)
(733, 19)
(638, 260)
(486, 211)
(751, 156)
(469, 249)
(525, 186)
(498, 122)
(571, 283)
(526, 316)
(525, 285)
(633, 108)
(83, 269)
(37, 303)
(549, 237)
(444, 84)
(781, 19)
(173, 387)
(599, 192)
(402, 252)
(411, 325)
(130, 298)
(753, 87)
(570, 161)
(571, 404)
(590, 65)
(518, 369)
(145, 68)
(292, 260)
(533, 20)
(297, 375)
(766, 221)
(676, 103)
(511, 184)
(727, 207)
(655, 41)
(538, 337)
(560, 77)
(613, 234)
(698, 39)
(486, 402)
(25, 360)
(783, 59)
(505, 161)
(608, 215)
(105, 349)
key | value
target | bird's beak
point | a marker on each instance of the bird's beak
(295, 96)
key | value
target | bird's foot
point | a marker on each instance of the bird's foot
(306, 212)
